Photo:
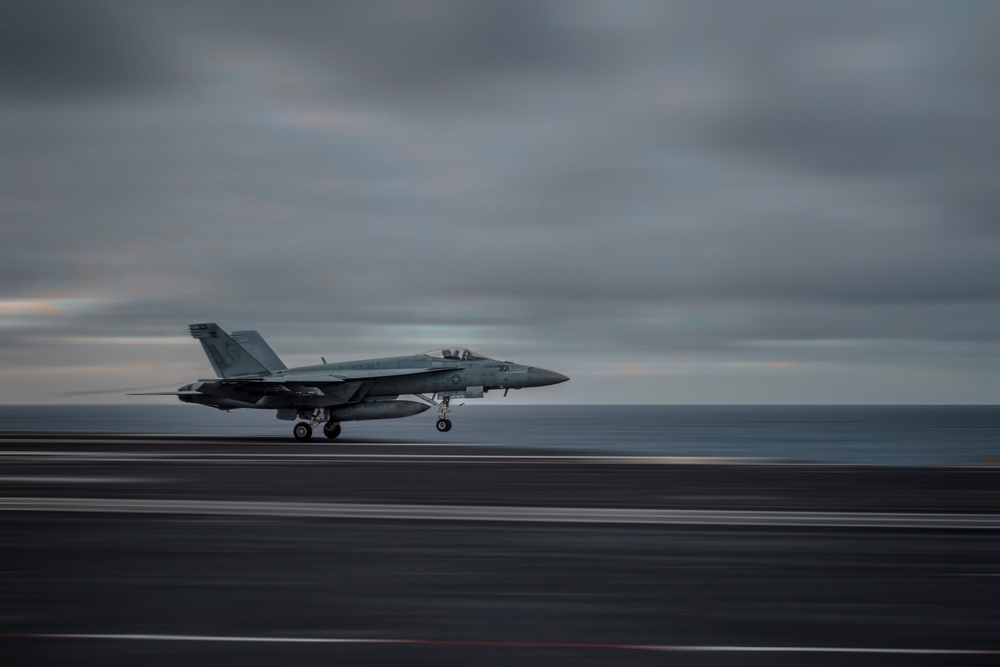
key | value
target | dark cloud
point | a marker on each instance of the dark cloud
(454, 57)
(58, 48)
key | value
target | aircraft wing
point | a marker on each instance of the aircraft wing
(312, 382)
(344, 375)
(375, 373)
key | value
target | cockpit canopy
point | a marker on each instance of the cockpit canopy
(454, 354)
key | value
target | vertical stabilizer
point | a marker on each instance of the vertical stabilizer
(228, 357)
(254, 343)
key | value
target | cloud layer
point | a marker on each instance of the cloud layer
(668, 201)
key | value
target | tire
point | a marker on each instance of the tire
(331, 430)
(443, 425)
(302, 431)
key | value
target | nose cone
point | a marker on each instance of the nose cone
(539, 377)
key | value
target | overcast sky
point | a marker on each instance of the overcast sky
(671, 202)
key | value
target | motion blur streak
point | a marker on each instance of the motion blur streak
(520, 514)
(511, 644)
(885, 436)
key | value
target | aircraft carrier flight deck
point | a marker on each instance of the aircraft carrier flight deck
(169, 548)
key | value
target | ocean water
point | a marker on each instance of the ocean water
(872, 435)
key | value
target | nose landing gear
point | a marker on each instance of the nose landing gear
(443, 424)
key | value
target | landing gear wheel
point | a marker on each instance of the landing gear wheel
(302, 431)
(331, 430)
(444, 425)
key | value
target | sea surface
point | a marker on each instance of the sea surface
(872, 435)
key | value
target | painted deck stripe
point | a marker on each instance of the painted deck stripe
(503, 644)
(184, 455)
(70, 479)
(181, 456)
(498, 513)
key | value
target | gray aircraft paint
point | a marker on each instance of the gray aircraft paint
(252, 376)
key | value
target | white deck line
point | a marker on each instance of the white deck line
(505, 514)
(188, 456)
(503, 644)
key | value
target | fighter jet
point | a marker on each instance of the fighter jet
(250, 375)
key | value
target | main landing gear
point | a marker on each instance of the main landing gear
(303, 430)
